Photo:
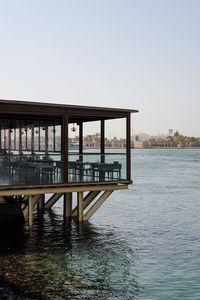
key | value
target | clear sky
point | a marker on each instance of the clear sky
(142, 54)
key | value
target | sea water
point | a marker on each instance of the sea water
(143, 243)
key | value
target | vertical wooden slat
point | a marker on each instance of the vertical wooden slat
(39, 138)
(54, 138)
(32, 139)
(15, 146)
(4, 138)
(26, 139)
(128, 147)
(64, 146)
(9, 141)
(20, 140)
(46, 140)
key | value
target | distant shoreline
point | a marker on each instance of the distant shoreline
(167, 148)
(95, 148)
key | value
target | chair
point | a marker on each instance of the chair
(117, 168)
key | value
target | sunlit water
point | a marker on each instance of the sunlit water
(143, 243)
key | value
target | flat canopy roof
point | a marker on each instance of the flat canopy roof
(77, 113)
(64, 106)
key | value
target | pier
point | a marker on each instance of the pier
(36, 161)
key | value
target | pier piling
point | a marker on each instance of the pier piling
(67, 205)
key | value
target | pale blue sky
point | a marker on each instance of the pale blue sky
(141, 54)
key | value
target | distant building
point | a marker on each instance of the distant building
(171, 133)
(138, 144)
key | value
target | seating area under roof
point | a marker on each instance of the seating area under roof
(34, 145)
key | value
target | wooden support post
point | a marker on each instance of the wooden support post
(80, 206)
(64, 146)
(81, 141)
(67, 205)
(34, 200)
(86, 201)
(40, 205)
(96, 205)
(52, 200)
(30, 211)
(128, 147)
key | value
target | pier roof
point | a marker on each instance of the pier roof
(47, 113)
(26, 105)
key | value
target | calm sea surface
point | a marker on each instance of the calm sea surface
(143, 243)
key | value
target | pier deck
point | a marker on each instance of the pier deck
(35, 157)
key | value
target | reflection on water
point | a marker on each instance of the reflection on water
(56, 260)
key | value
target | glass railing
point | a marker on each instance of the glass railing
(96, 167)
(48, 169)
(31, 169)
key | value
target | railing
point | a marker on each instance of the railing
(48, 169)
(31, 169)
(96, 167)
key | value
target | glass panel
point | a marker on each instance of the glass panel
(115, 134)
(92, 136)
(31, 169)
(96, 167)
